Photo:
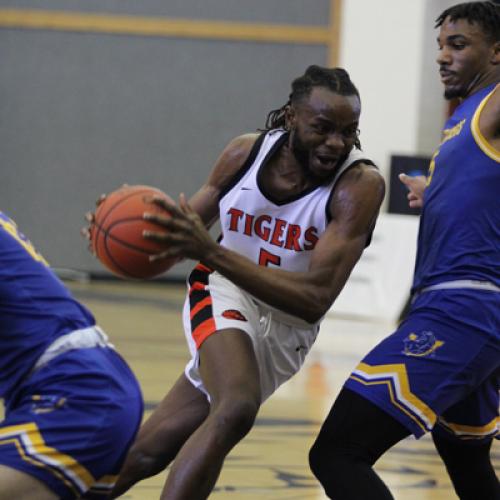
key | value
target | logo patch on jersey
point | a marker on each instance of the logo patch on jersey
(46, 404)
(233, 314)
(421, 344)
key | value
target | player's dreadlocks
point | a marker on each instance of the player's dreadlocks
(486, 14)
(335, 79)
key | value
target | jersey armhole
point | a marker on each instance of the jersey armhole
(329, 200)
(479, 138)
(328, 215)
(246, 165)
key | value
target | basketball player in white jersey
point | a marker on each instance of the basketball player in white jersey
(297, 205)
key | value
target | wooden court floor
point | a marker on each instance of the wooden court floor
(144, 323)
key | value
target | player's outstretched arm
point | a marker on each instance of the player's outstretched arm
(309, 294)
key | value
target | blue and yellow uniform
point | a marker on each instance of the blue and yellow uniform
(442, 365)
(72, 405)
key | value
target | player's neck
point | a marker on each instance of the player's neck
(284, 176)
(482, 81)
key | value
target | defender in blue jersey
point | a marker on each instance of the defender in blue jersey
(72, 405)
(440, 370)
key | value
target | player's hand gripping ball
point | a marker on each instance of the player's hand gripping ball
(116, 233)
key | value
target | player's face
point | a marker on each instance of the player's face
(323, 130)
(464, 57)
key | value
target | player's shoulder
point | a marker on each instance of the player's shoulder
(240, 146)
(360, 168)
(232, 159)
(362, 180)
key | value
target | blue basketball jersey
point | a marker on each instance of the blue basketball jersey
(35, 307)
(459, 236)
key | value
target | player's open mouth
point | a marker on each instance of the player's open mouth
(327, 161)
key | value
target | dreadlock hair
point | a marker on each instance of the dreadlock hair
(334, 79)
(486, 14)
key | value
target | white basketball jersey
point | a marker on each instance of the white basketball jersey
(267, 231)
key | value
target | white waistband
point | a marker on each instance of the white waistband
(457, 284)
(92, 336)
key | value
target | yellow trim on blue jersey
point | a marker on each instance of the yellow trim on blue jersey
(404, 399)
(107, 480)
(470, 431)
(104, 485)
(15, 441)
(32, 448)
(483, 144)
(393, 399)
(11, 228)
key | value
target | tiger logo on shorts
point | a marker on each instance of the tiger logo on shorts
(233, 314)
(421, 344)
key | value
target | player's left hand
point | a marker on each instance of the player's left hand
(182, 233)
(416, 187)
(86, 231)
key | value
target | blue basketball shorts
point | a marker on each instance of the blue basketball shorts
(72, 421)
(441, 366)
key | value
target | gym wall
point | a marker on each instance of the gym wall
(95, 94)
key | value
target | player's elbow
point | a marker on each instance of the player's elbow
(313, 317)
(316, 307)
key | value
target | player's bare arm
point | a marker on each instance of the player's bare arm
(205, 202)
(309, 295)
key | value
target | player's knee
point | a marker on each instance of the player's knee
(333, 459)
(323, 459)
(236, 416)
(315, 459)
(142, 464)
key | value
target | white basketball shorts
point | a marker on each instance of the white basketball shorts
(281, 341)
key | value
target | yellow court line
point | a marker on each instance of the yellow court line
(162, 26)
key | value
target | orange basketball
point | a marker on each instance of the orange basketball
(117, 233)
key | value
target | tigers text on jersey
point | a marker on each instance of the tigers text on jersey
(459, 237)
(267, 231)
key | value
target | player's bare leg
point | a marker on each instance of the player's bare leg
(159, 439)
(230, 373)
(16, 484)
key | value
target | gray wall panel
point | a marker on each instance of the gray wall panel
(82, 113)
(314, 12)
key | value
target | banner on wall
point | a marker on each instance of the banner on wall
(380, 283)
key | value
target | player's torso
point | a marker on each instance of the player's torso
(35, 307)
(268, 231)
(460, 226)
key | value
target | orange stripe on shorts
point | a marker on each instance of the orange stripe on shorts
(202, 267)
(197, 285)
(207, 301)
(203, 331)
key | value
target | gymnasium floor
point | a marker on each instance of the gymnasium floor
(143, 322)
